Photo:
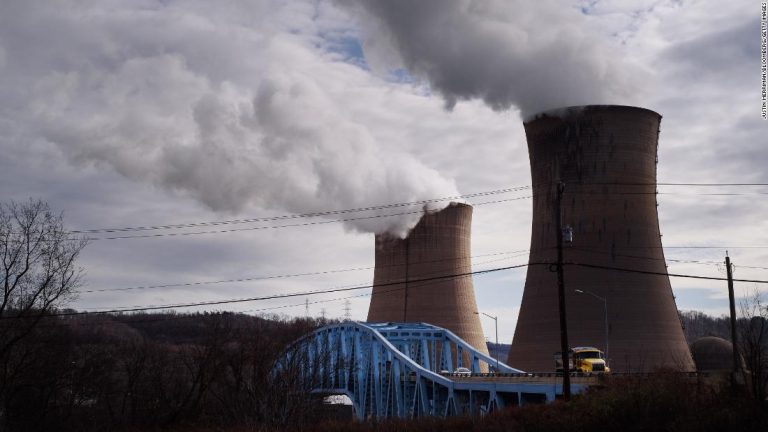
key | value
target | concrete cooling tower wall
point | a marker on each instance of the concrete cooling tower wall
(606, 156)
(439, 245)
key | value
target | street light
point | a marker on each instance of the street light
(496, 324)
(605, 307)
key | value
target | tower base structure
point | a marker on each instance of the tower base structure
(423, 277)
(617, 293)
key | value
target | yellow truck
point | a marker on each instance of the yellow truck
(584, 360)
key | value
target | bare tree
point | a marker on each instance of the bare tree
(39, 271)
(753, 344)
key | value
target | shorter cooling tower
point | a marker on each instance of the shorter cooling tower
(614, 268)
(439, 245)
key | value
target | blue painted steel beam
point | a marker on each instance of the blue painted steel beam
(393, 370)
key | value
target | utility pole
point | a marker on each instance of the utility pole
(347, 310)
(322, 313)
(729, 272)
(561, 296)
(306, 307)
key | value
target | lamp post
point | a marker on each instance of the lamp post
(605, 308)
(496, 324)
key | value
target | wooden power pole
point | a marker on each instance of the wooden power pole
(561, 296)
(731, 300)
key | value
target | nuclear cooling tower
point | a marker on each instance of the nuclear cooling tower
(606, 157)
(435, 249)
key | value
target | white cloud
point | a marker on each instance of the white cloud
(163, 97)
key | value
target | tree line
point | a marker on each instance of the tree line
(147, 371)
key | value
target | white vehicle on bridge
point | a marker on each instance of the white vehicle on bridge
(462, 371)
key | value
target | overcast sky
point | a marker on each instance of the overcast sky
(150, 113)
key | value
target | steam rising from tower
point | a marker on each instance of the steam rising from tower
(606, 156)
(497, 51)
(438, 246)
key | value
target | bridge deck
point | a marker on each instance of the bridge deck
(391, 370)
(587, 380)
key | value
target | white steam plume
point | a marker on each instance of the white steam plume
(223, 108)
(532, 55)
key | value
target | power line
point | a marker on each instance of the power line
(680, 261)
(325, 222)
(411, 203)
(594, 251)
(400, 289)
(302, 215)
(320, 291)
(306, 302)
(698, 247)
(712, 184)
(749, 267)
(282, 276)
(670, 184)
(707, 263)
(666, 273)
(353, 269)
(271, 297)
(247, 279)
(326, 213)
(380, 292)
(578, 192)
(702, 247)
(309, 293)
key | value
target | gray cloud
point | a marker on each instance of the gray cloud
(217, 113)
(507, 53)
(725, 53)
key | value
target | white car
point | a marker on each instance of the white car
(462, 371)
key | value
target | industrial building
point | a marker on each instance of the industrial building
(414, 278)
(618, 296)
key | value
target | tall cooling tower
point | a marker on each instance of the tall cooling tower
(439, 245)
(606, 156)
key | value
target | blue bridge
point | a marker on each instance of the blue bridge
(413, 369)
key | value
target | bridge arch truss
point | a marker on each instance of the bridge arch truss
(410, 370)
